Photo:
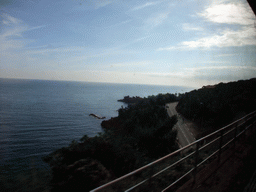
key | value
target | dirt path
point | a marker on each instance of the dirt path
(186, 129)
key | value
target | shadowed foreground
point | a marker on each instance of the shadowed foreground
(233, 173)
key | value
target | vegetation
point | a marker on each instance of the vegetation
(130, 100)
(216, 106)
(30, 180)
(141, 133)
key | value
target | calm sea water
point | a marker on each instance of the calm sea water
(38, 117)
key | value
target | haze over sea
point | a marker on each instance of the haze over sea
(39, 116)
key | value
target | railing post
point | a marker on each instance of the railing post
(151, 171)
(235, 135)
(251, 127)
(244, 129)
(220, 146)
(196, 161)
(253, 124)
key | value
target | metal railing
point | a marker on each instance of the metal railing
(183, 163)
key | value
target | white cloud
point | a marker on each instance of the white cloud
(216, 73)
(208, 62)
(144, 6)
(56, 50)
(12, 27)
(222, 73)
(11, 36)
(170, 48)
(37, 27)
(190, 27)
(118, 24)
(223, 12)
(9, 44)
(227, 55)
(183, 74)
(129, 64)
(13, 52)
(157, 19)
(152, 18)
(9, 20)
(227, 38)
(229, 13)
(222, 68)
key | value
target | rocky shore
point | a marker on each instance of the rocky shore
(113, 122)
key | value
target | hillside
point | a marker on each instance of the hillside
(212, 107)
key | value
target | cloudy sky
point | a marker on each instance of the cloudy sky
(178, 42)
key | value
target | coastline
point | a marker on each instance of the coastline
(129, 141)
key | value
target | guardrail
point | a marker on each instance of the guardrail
(183, 163)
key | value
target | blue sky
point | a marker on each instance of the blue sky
(189, 42)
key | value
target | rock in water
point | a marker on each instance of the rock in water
(97, 116)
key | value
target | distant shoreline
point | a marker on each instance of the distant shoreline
(130, 100)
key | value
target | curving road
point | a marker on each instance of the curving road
(184, 136)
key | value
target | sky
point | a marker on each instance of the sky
(179, 42)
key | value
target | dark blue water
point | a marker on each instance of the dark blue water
(37, 117)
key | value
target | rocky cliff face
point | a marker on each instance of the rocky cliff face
(111, 123)
(83, 175)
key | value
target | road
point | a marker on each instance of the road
(184, 135)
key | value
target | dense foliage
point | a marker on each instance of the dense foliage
(216, 106)
(140, 134)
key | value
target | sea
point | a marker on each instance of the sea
(39, 116)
